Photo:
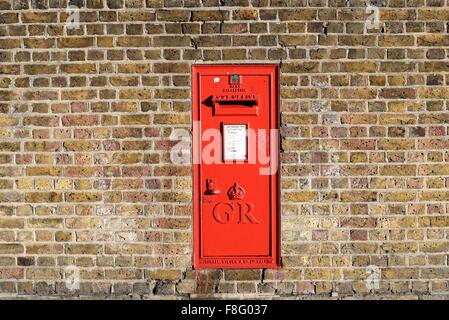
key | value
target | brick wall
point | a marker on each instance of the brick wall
(88, 190)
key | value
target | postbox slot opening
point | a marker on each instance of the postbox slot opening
(247, 103)
(236, 107)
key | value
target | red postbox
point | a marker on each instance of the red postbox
(236, 166)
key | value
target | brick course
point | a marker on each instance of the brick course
(87, 188)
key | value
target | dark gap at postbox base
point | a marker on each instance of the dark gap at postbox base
(235, 112)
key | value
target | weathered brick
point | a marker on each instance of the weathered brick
(358, 222)
(358, 93)
(398, 93)
(79, 120)
(48, 146)
(78, 68)
(43, 171)
(434, 196)
(430, 40)
(43, 197)
(84, 249)
(358, 196)
(135, 94)
(396, 144)
(133, 41)
(80, 145)
(78, 95)
(45, 223)
(358, 118)
(399, 196)
(136, 15)
(82, 196)
(433, 66)
(358, 144)
(398, 170)
(242, 275)
(39, 69)
(75, 42)
(210, 15)
(39, 17)
(212, 41)
(11, 248)
(39, 43)
(433, 93)
(301, 196)
(299, 93)
(365, 66)
(173, 15)
(396, 67)
(434, 169)
(134, 119)
(389, 119)
(171, 41)
(9, 43)
(171, 67)
(357, 40)
(11, 223)
(245, 14)
(297, 14)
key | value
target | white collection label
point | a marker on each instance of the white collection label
(235, 142)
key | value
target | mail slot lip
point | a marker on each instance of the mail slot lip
(236, 97)
(233, 104)
(256, 69)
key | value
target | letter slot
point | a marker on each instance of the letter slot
(235, 105)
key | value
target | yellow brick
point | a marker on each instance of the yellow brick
(83, 184)
(434, 196)
(435, 169)
(400, 273)
(322, 274)
(83, 196)
(397, 118)
(24, 183)
(63, 184)
(403, 196)
(436, 183)
(396, 144)
(301, 196)
(8, 121)
(398, 170)
(43, 184)
(358, 196)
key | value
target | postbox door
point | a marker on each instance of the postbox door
(237, 210)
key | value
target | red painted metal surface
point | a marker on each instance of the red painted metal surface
(236, 202)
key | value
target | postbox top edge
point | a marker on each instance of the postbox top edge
(239, 66)
(233, 64)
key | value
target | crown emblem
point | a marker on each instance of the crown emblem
(236, 192)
